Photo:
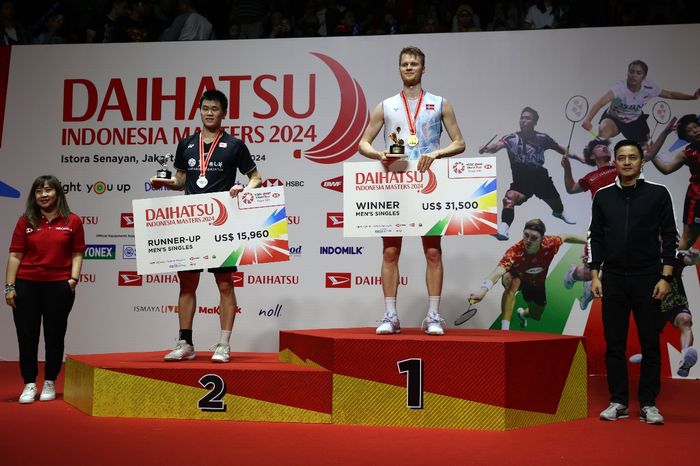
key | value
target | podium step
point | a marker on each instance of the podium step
(251, 387)
(470, 379)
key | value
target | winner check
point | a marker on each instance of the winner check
(453, 197)
(210, 230)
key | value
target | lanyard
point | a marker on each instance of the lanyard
(412, 121)
(204, 160)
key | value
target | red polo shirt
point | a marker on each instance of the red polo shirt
(48, 250)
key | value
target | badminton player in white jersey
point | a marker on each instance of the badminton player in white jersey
(420, 116)
(627, 99)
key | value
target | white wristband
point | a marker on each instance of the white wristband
(488, 284)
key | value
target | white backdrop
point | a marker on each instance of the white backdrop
(488, 77)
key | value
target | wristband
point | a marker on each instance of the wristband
(488, 284)
(76, 280)
(667, 278)
(9, 288)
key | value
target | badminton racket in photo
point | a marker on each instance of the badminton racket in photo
(662, 114)
(468, 314)
(575, 110)
(486, 145)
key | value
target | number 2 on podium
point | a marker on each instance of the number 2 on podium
(413, 368)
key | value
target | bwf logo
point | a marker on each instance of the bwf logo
(338, 280)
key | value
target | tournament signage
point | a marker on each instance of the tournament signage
(452, 197)
(210, 230)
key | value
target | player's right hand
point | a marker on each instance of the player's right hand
(586, 124)
(160, 182)
(476, 297)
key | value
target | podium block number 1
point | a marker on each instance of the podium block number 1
(413, 368)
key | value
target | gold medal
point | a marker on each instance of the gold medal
(412, 140)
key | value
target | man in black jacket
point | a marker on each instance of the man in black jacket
(632, 232)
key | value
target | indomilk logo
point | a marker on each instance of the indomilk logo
(188, 213)
(408, 180)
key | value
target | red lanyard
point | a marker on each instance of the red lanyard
(412, 122)
(204, 161)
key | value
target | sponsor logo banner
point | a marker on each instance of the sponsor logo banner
(129, 251)
(334, 220)
(100, 251)
(338, 280)
(129, 278)
(126, 220)
(210, 230)
(335, 184)
(452, 197)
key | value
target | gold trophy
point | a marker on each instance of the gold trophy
(397, 149)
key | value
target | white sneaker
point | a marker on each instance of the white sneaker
(614, 412)
(48, 391)
(388, 325)
(586, 297)
(521, 317)
(688, 360)
(651, 415)
(221, 353)
(432, 324)
(28, 394)
(636, 358)
(563, 216)
(182, 350)
(502, 234)
(569, 279)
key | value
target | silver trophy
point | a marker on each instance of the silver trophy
(163, 173)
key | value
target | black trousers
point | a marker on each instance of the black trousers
(622, 294)
(51, 303)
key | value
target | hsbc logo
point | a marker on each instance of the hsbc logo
(277, 182)
(335, 220)
(130, 278)
(238, 279)
(272, 182)
(126, 220)
(335, 184)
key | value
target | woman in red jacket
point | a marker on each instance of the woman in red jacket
(43, 269)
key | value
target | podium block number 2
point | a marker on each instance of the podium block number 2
(413, 368)
(212, 400)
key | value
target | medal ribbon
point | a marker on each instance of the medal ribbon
(412, 122)
(204, 161)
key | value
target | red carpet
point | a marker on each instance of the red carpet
(55, 433)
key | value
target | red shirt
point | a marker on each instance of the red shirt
(48, 250)
(531, 267)
(597, 179)
(692, 159)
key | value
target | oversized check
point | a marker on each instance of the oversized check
(210, 230)
(453, 197)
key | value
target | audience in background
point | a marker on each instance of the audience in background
(77, 21)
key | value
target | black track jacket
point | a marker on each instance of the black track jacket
(626, 225)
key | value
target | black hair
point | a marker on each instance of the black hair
(215, 96)
(533, 111)
(641, 64)
(629, 142)
(588, 150)
(683, 123)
